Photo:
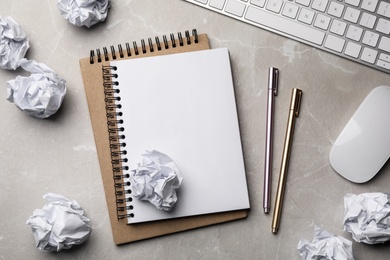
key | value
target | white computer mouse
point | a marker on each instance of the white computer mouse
(363, 146)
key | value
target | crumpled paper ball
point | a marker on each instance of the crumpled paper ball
(325, 246)
(84, 12)
(13, 43)
(39, 95)
(367, 217)
(60, 224)
(156, 180)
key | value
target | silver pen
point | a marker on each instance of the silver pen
(273, 77)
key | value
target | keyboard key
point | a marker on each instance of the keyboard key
(217, 4)
(354, 33)
(384, 57)
(306, 16)
(353, 2)
(383, 64)
(368, 20)
(259, 3)
(284, 25)
(274, 5)
(383, 25)
(303, 2)
(351, 15)
(370, 38)
(201, 1)
(352, 49)
(322, 22)
(320, 5)
(369, 5)
(335, 9)
(384, 9)
(338, 27)
(384, 44)
(236, 8)
(290, 10)
(369, 55)
(334, 43)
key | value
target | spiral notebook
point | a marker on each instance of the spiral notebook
(182, 105)
(105, 118)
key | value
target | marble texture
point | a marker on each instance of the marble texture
(58, 154)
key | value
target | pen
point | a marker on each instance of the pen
(273, 76)
(292, 115)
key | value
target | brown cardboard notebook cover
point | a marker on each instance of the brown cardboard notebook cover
(91, 69)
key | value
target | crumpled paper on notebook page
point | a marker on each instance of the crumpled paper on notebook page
(39, 95)
(60, 224)
(325, 246)
(156, 180)
(13, 43)
(367, 217)
(84, 12)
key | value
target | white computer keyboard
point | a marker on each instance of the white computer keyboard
(358, 30)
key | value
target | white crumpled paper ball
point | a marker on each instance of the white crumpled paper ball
(325, 246)
(156, 180)
(39, 95)
(60, 224)
(84, 12)
(13, 43)
(367, 217)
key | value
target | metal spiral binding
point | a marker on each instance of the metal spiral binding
(117, 140)
(145, 47)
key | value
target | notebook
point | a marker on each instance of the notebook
(107, 146)
(184, 106)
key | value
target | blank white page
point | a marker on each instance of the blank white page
(183, 105)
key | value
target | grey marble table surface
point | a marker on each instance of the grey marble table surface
(58, 154)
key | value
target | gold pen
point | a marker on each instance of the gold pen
(292, 114)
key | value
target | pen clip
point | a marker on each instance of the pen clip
(274, 80)
(297, 104)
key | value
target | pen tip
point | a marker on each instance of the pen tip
(274, 230)
(266, 210)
